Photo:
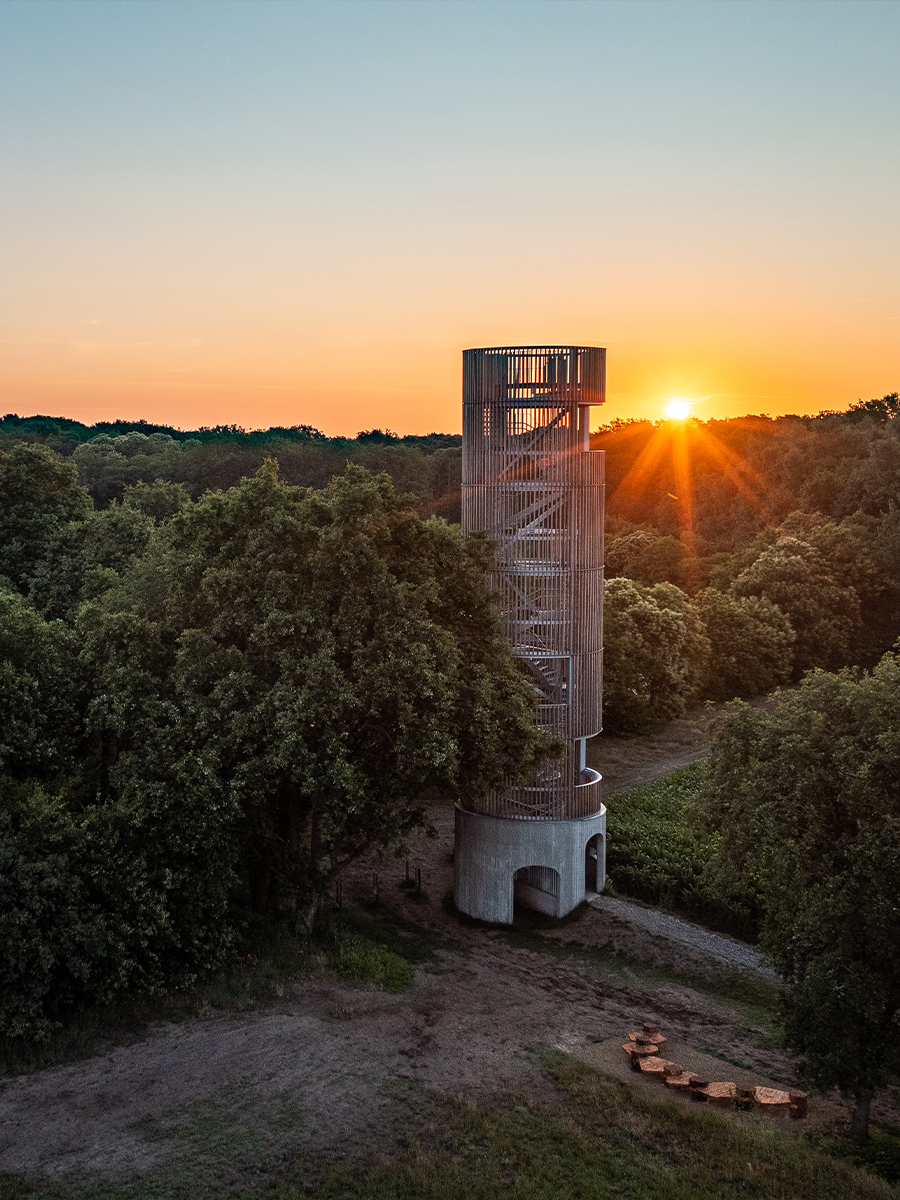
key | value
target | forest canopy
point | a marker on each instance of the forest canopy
(778, 540)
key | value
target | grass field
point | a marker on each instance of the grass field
(588, 1137)
(596, 1139)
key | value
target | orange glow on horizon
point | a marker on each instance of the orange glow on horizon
(300, 214)
(407, 385)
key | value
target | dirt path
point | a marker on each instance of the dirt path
(328, 1070)
(629, 762)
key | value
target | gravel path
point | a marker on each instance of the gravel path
(674, 929)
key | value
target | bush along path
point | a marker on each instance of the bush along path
(659, 850)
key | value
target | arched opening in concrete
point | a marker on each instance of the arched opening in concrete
(537, 888)
(593, 864)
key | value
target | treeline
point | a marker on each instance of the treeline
(723, 481)
(739, 552)
(711, 486)
(113, 455)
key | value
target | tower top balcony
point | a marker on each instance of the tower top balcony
(535, 376)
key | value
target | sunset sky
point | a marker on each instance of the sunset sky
(297, 212)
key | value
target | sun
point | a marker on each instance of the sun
(677, 410)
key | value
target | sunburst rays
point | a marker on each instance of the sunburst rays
(673, 450)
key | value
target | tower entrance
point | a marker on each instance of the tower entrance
(537, 888)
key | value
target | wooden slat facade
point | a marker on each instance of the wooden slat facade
(532, 483)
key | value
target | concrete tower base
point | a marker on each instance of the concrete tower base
(544, 865)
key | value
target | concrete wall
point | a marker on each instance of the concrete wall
(489, 850)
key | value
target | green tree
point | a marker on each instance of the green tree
(39, 495)
(330, 660)
(823, 610)
(807, 801)
(160, 500)
(866, 482)
(107, 887)
(107, 465)
(643, 555)
(87, 556)
(655, 654)
(103, 897)
(847, 545)
(41, 692)
(751, 645)
(881, 410)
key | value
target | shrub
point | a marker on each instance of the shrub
(659, 851)
(362, 961)
(105, 900)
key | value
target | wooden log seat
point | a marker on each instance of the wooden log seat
(772, 1101)
(680, 1082)
(799, 1104)
(645, 1039)
(640, 1049)
(655, 1067)
(722, 1095)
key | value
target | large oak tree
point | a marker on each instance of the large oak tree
(330, 660)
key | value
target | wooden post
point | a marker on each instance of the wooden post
(799, 1104)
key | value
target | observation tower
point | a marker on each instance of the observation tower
(531, 481)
